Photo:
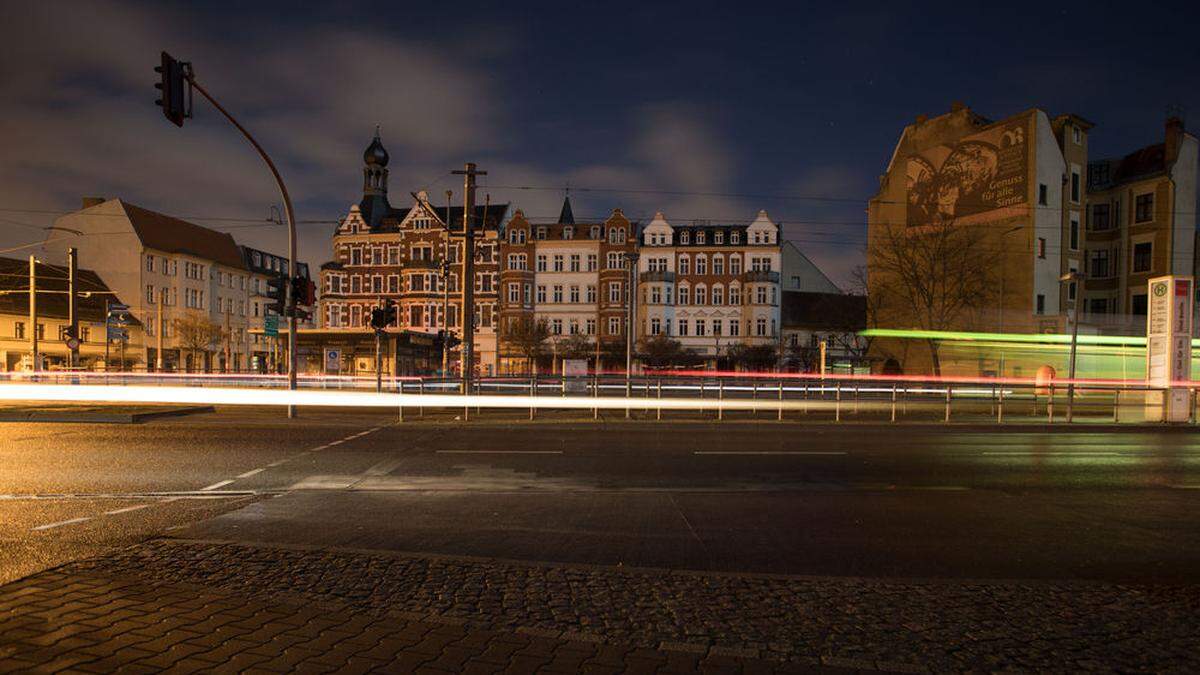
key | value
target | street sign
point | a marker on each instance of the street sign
(118, 333)
(72, 343)
(333, 361)
(271, 325)
(1169, 348)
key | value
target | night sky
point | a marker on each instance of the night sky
(725, 108)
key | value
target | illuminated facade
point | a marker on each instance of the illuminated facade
(385, 253)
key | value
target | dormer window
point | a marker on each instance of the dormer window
(718, 237)
(568, 232)
(735, 238)
(685, 237)
(595, 232)
(541, 232)
(700, 237)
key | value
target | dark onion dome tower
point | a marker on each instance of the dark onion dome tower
(374, 204)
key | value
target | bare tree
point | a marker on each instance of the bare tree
(576, 347)
(932, 277)
(661, 351)
(527, 337)
(197, 333)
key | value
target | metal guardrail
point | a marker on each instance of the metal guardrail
(788, 396)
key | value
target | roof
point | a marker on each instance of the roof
(1141, 163)
(14, 275)
(566, 216)
(165, 233)
(824, 311)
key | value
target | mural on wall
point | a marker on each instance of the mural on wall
(980, 173)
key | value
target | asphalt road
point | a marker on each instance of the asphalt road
(874, 501)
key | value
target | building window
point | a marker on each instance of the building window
(735, 327)
(683, 328)
(701, 263)
(1074, 232)
(616, 235)
(149, 294)
(685, 237)
(514, 294)
(558, 263)
(701, 295)
(589, 326)
(1100, 220)
(1074, 186)
(760, 327)
(1143, 254)
(1143, 208)
(1099, 265)
(735, 295)
(735, 238)
(556, 326)
(684, 295)
(1138, 304)
(149, 263)
(614, 293)
(718, 237)
(684, 265)
(655, 325)
(1041, 247)
(356, 256)
(528, 294)
(1041, 303)
(1076, 135)
(590, 296)
(568, 233)
(575, 262)
(595, 232)
(19, 330)
(574, 297)
(701, 327)
(1043, 193)
(593, 262)
(558, 293)
(613, 261)
(541, 232)
(718, 295)
(718, 264)
(1098, 306)
(700, 237)
(541, 293)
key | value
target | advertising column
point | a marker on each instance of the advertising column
(1169, 348)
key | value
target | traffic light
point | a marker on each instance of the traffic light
(389, 313)
(276, 292)
(174, 90)
(377, 320)
(304, 291)
(444, 342)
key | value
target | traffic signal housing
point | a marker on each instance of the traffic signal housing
(277, 293)
(304, 291)
(174, 94)
(382, 317)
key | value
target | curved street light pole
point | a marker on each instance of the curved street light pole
(290, 299)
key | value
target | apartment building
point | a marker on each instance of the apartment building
(413, 256)
(167, 269)
(1141, 223)
(571, 275)
(710, 286)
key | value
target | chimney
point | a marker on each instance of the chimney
(1174, 137)
(89, 202)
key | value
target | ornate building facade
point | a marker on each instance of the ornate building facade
(413, 256)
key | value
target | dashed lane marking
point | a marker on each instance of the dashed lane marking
(499, 452)
(250, 473)
(72, 521)
(214, 486)
(814, 453)
(127, 509)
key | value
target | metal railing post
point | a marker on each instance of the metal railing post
(780, 400)
(420, 392)
(948, 388)
(1050, 405)
(596, 394)
(1000, 406)
(837, 404)
(532, 394)
(660, 397)
(804, 396)
(1116, 406)
(401, 398)
(720, 399)
(702, 396)
(893, 402)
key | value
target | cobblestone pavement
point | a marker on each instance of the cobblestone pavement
(727, 620)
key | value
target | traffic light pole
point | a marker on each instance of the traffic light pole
(72, 317)
(291, 222)
(33, 315)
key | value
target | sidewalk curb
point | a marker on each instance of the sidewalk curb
(64, 416)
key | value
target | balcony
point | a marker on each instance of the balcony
(668, 277)
(760, 276)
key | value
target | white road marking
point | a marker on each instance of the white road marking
(768, 452)
(384, 468)
(127, 509)
(338, 442)
(1185, 487)
(499, 452)
(1052, 453)
(214, 486)
(278, 463)
(60, 524)
(250, 473)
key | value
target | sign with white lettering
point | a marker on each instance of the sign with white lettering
(1169, 348)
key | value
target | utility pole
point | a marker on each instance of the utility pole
(33, 314)
(72, 315)
(107, 341)
(468, 277)
(446, 292)
(158, 328)
(631, 259)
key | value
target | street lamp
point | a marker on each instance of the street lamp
(1075, 277)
